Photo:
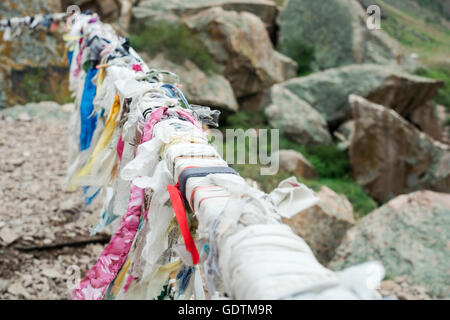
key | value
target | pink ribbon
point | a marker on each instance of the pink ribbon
(136, 67)
(79, 56)
(120, 146)
(100, 276)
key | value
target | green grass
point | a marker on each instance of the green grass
(428, 9)
(301, 53)
(362, 203)
(280, 3)
(35, 88)
(175, 41)
(418, 29)
(246, 120)
(328, 160)
(331, 164)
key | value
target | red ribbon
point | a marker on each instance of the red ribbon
(180, 213)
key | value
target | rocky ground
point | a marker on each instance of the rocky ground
(36, 212)
(43, 228)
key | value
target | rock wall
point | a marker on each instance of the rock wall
(33, 57)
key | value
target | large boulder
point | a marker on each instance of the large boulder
(294, 162)
(324, 225)
(390, 156)
(239, 42)
(337, 31)
(295, 118)
(266, 10)
(328, 91)
(427, 120)
(410, 235)
(199, 88)
(33, 65)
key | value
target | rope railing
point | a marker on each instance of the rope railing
(182, 220)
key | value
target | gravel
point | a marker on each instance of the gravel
(36, 211)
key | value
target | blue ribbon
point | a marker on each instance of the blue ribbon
(88, 122)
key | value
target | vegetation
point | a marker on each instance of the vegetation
(175, 41)
(34, 88)
(328, 160)
(246, 120)
(362, 203)
(331, 164)
(419, 30)
(301, 53)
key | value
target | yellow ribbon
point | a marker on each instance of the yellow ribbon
(105, 137)
(120, 277)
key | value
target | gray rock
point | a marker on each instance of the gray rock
(410, 235)
(327, 91)
(8, 236)
(198, 87)
(338, 33)
(294, 117)
(389, 156)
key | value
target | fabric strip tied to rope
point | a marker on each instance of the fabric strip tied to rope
(99, 277)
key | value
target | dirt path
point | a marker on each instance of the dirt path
(35, 211)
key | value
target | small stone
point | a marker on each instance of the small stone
(51, 273)
(17, 289)
(400, 279)
(17, 162)
(23, 116)
(68, 204)
(388, 285)
(8, 235)
(294, 162)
